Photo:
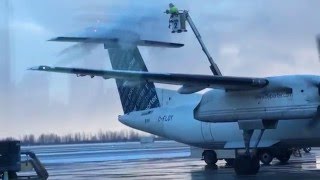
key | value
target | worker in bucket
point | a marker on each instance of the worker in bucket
(177, 20)
(173, 10)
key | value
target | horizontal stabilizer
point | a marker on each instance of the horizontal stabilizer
(116, 42)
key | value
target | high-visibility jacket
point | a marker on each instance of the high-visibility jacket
(174, 10)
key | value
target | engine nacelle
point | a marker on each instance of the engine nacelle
(221, 106)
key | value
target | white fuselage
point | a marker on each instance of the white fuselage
(178, 121)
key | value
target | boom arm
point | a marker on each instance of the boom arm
(213, 66)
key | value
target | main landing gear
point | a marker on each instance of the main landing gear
(268, 154)
(307, 149)
(229, 162)
(247, 163)
(284, 156)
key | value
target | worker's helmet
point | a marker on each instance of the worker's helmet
(171, 5)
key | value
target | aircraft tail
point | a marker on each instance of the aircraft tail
(124, 55)
(135, 96)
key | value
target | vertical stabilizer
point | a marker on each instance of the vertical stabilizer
(135, 96)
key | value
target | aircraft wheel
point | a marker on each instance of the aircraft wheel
(210, 157)
(246, 165)
(284, 158)
(266, 157)
(230, 162)
(307, 149)
(12, 175)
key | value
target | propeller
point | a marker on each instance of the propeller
(316, 119)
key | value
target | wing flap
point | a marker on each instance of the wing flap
(187, 80)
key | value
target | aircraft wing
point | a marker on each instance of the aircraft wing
(117, 41)
(190, 83)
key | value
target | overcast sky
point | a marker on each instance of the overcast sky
(246, 38)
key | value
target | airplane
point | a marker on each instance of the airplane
(255, 117)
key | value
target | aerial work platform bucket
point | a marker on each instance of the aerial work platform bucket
(177, 22)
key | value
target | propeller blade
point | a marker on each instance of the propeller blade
(315, 121)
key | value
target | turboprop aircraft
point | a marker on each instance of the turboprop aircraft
(255, 114)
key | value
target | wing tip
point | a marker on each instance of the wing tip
(54, 39)
(39, 68)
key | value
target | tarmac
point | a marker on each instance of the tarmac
(161, 160)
